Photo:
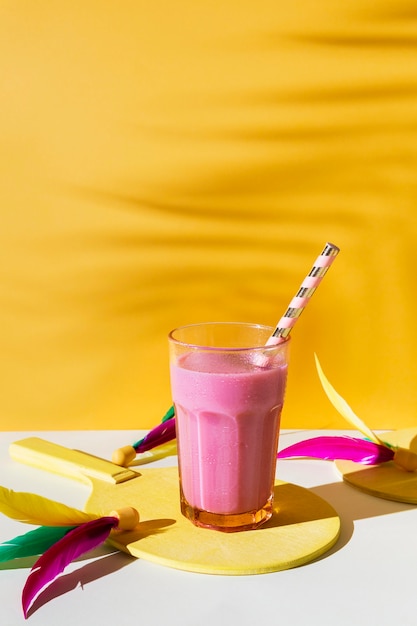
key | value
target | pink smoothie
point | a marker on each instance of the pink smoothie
(227, 415)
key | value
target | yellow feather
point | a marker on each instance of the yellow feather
(33, 509)
(344, 409)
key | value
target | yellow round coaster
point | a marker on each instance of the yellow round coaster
(303, 527)
(386, 480)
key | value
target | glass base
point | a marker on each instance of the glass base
(228, 523)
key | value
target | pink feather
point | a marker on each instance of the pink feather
(338, 448)
(162, 433)
(75, 543)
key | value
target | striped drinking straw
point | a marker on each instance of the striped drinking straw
(304, 294)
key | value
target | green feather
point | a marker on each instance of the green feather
(32, 543)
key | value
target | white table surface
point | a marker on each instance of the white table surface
(368, 578)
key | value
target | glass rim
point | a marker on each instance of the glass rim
(193, 345)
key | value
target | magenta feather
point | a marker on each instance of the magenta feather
(162, 433)
(75, 543)
(339, 448)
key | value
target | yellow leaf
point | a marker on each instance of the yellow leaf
(33, 509)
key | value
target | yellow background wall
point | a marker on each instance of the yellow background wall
(172, 162)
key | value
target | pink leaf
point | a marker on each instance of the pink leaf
(75, 543)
